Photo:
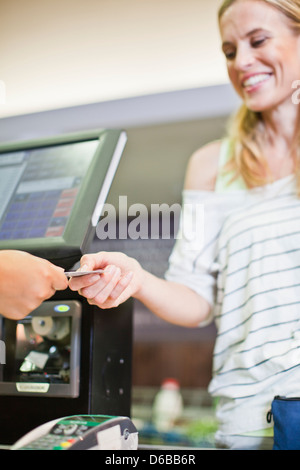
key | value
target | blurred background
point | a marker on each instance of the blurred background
(155, 69)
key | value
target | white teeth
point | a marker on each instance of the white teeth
(256, 79)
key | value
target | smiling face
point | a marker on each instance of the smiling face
(262, 52)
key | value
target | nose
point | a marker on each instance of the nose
(244, 58)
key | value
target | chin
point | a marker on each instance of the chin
(257, 108)
(261, 105)
(264, 101)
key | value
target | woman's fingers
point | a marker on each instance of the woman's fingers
(121, 286)
(107, 293)
(78, 283)
(105, 284)
(121, 279)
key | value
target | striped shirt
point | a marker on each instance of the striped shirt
(249, 270)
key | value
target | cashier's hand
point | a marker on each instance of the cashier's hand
(121, 279)
(25, 282)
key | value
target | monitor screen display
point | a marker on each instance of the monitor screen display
(52, 192)
(38, 188)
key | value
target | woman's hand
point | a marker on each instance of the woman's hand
(122, 278)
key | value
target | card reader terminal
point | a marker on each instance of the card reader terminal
(82, 432)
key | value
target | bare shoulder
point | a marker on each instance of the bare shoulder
(202, 168)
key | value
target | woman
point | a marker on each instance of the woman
(246, 276)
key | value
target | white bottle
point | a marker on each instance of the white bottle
(167, 405)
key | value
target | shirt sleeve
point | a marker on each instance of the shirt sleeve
(193, 259)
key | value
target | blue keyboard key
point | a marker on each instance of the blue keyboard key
(36, 233)
(17, 234)
(5, 235)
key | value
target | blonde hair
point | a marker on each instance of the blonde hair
(246, 127)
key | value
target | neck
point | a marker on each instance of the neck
(281, 139)
(281, 125)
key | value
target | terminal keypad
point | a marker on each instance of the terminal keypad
(37, 214)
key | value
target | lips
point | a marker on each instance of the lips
(255, 79)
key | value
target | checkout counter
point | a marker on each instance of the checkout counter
(67, 358)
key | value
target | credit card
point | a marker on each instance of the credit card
(82, 273)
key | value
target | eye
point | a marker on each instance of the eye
(229, 53)
(257, 42)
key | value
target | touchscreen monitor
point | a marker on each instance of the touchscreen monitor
(52, 192)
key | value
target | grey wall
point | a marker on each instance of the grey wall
(163, 130)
